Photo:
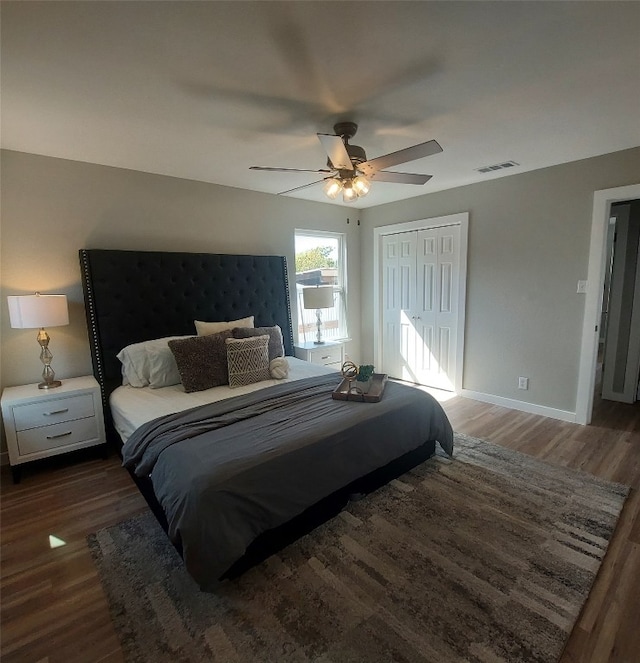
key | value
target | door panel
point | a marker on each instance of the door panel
(441, 259)
(398, 346)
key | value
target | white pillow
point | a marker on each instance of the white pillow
(205, 328)
(149, 364)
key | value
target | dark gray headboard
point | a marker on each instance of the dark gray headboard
(133, 296)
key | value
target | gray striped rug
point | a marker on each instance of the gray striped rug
(486, 558)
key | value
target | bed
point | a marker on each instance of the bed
(234, 474)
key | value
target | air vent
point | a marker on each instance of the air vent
(497, 166)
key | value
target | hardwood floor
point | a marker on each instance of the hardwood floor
(53, 607)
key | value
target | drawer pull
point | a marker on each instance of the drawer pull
(55, 437)
(50, 414)
(326, 357)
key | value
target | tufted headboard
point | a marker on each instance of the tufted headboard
(133, 296)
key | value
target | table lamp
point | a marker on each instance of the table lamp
(37, 312)
(318, 298)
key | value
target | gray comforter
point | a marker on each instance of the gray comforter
(228, 471)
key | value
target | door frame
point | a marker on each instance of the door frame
(602, 201)
(461, 219)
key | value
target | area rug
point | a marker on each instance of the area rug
(488, 557)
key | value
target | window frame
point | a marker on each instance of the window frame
(306, 317)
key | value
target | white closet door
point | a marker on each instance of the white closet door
(420, 307)
(438, 271)
(398, 294)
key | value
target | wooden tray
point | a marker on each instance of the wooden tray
(373, 395)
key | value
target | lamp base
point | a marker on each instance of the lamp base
(48, 374)
(318, 342)
(50, 385)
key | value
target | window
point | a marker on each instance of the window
(321, 259)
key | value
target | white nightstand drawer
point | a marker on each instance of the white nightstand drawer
(47, 422)
(329, 355)
(52, 411)
(57, 435)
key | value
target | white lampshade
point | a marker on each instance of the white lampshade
(38, 311)
(315, 298)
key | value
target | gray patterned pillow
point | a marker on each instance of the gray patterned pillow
(202, 360)
(248, 360)
(276, 345)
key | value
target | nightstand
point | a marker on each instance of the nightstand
(330, 353)
(46, 422)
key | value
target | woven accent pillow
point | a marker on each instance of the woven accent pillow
(248, 360)
(202, 360)
(276, 345)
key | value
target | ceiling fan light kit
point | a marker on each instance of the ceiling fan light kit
(332, 188)
(361, 185)
(349, 194)
(349, 167)
(351, 188)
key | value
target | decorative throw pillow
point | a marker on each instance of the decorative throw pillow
(204, 328)
(276, 345)
(279, 368)
(248, 360)
(149, 364)
(202, 360)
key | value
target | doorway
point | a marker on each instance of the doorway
(602, 203)
(620, 328)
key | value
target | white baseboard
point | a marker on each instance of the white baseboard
(531, 408)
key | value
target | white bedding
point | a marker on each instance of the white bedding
(133, 406)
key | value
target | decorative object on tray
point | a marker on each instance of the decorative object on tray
(349, 370)
(363, 379)
(360, 383)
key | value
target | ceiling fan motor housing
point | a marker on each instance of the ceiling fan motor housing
(346, 130)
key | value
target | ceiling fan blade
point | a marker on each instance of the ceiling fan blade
(401, 156)
(291, 170)
(336, 151)
(304, 186)
(399, 178)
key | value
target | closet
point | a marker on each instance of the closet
(420, 293)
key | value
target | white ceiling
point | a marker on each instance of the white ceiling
(203, 90)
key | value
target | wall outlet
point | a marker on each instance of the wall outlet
(523, 383)
(582, 287)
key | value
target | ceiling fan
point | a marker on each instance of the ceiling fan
(349, 171)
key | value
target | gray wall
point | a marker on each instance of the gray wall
(53, 207)
(528, 247)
